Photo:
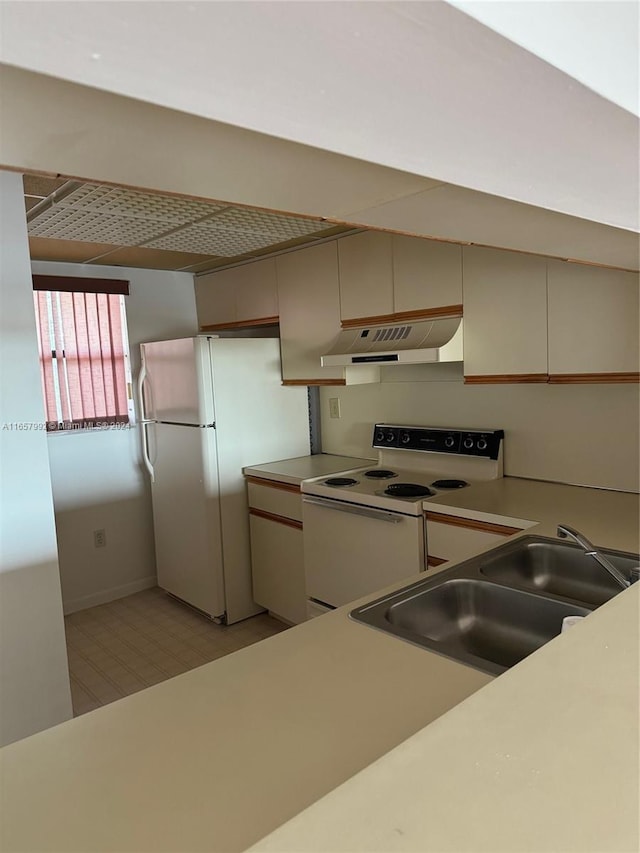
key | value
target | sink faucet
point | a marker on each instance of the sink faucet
(590, 550)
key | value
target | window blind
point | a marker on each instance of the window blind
(82, 357)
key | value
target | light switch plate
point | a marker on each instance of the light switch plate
(334, 407)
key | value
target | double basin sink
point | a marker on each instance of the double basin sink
(493, 610)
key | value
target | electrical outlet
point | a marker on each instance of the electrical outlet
(334, 407)
(99, 538)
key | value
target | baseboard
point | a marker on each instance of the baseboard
(107, 595)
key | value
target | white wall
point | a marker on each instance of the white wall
(419, 87)
(34, 679)
(584, 434)
(97, 476)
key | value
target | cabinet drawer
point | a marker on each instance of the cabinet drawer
(459, 538)
(278, 569)
(276, 498)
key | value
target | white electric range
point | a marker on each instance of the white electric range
(364, 528)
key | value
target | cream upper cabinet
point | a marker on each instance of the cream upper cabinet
(238, 296)
(309, 300)
(426, 274)
(505, 316)
(366, 275)
(593, 321)
(216, 297)
(257, 292)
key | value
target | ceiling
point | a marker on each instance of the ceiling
(96, 223)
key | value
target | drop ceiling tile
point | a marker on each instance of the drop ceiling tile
(43, 249)
(64, 223)
(152, 259)
(210, 241)
(116, 201)
(261, 223)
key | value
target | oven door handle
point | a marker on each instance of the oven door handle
(337, 506)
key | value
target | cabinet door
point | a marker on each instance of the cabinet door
(426, 275)
(216, 297)
(505, 316)
(593, 322)
(277, 564)
(256, 292)
(309, 305)
(366, 275)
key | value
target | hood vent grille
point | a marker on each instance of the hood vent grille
(420, 342)
(392, 333)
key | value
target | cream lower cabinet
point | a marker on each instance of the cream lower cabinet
(451, 537)
(593, 324)
(505, 316)
(277, 557)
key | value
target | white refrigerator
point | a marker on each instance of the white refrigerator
(210, 406)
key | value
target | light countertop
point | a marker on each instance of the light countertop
(609, 519)
(544, 759)
(214, 759)
(219, 757)
(296, 470)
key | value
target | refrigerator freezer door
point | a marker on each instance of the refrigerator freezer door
(186, 515)
(177, 386)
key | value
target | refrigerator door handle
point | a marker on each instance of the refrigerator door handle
(140, 385)
(144, 421)
(145, 451)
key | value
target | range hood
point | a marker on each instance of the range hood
(421, 342)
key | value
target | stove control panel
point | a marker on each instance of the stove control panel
(463, 442)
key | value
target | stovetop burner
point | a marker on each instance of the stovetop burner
(449, 484)
(408, 490)
(340, 481)
(380, 474)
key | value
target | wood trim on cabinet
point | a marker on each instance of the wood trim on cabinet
(472, 524)
(295, 382)
(279, 519)
(273, 484)
(403, 317)
(434, 562)
(240, 324)
(584, 378)
(506, 378)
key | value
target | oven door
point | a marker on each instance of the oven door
(352, 550)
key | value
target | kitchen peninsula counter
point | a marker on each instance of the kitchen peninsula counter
(543, 757)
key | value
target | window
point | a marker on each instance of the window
(84, 353)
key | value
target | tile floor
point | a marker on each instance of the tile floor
(124, 646)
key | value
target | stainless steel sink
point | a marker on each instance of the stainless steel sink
(493, 610)
(545, 565)
(475, 619)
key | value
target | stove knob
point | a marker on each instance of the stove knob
(379, 435)
(405, 438)
(482, 444)
(467, 443)
(449, 442)
(391, 437)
